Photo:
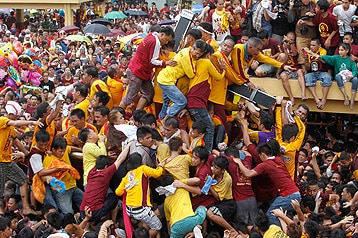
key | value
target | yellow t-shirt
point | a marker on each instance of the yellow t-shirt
(158, 98)
(74, 131)
(178, 206)
(69, 181)
(83, 106)
(7, 134)
(224, 187)
(178, 167)
(90, 153)
(275, 231)
(116, 89)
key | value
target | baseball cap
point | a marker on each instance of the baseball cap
(13, 107)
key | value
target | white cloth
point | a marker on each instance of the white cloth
(13, 108)
(345, 17)
(36, 163)
(167, 190)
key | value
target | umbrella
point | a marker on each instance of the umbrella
(31, 12)
(136, 13)
(127, 39)
(167, 22)
(115, 32)
(68, 29)
(5, 11)
(79, 38)
(101, 21)
(115, 15)
(96, 29)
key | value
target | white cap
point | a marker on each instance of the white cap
(120, 233)
(8, 32)
(28, 35)
(12, 37)
(13, 108)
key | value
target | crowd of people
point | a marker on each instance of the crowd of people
(113, 139)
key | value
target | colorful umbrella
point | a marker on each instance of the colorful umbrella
(68, 29)
(96, 29)
(101, 21)
(115, 15)
(131, 37)
(14, 75)
(79, 38)
(115, 33)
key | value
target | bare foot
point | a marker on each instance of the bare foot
(292, 101)
(346, 101)
(352, 105)
(304, 98)
(30, 211)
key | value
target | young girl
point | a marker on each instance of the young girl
(344, 70)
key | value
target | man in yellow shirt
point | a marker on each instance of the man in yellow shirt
(115, 84)
(77, 118)
(91, 79)
(64, 200)
(8, 167)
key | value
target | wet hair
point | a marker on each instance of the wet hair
(103, 97)
(134, 161)
(266, 120)
(148, 119)
(42, 136)
(55, 220)
(156, 135)
(195, 33)
(288, 131)
(78, 112)
(138, 114)
(311, 228)
(202, 152)
(222, 162)
(323, 5)
(199, 126)
(262, 222)
(309, 201)
(143, 131)
(4, 222)
(175, 143)
(200, 44)
(41, 109)
(59, 143)
(102, 161)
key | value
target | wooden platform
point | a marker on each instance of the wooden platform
(335, 98)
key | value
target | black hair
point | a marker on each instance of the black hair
(266, 120)
(175, 143)
(91, 234)
(232, 151)
(338, 233)
(148, 119)
(46, 208)
(288, 131)
(4, 223)
(134, 161)
(156, 135)
(350, 189)
(103, 110)
(304, 151)
(92, 71)
(345, 46)
(102, 161)
(41, 109)
(195, 33)
(55, 220)
(141, 232)
(78, 112)
(275, 147)
(200, 44)
(344, 156)
(263, 34)
(82, 89)
(83, 134)
(25, 232)
(166, 180)
(323, 5)
(167, 30)
(172, 121)
(207, 26)
(59, 143)
(222, 162)
(103, 97)
(42, 136)
(317, 40)
(311, 228)
(265, 148)
(262, 222)
(143, 131)
(138, 114)
(202, 152)
(199, 126)
(112, 70)
(309, 201)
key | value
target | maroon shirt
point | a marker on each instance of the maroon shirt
(198, 95)
(326, 26)
(97, 186)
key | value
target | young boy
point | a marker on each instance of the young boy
(96, 197)
(223, 210)
(142, 145)
(60, 158)
(136, 186)
(91, 150)
(197, 133)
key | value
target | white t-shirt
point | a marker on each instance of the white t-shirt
(36, 163)
(345, 17)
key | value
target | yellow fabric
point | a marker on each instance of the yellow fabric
(240, 63)
(90, 153)
(224, 187)
(163, 152)
(7, 134)
(69, 181)
(183, 84)
(321, 51)
(83, 106)
(205, 71)
(74, 131)
(219, 87)
(50, 129)
(116, 89)
(158, 98)
(178, 167)
(99, 85)
(290, 147)
(254, 135)
(275, 231)
(214, 44)
(101, 131)
(132, 184)
(186, 66)
(224, 19)
(178, 206)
